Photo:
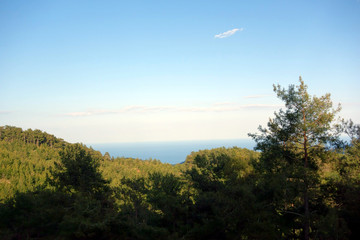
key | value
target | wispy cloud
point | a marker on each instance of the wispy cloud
(258, 96)
(127, 109)
(223, 103)
(81, 114)
(229, 108)
(4, 112)
(228, 33)
(350, 103)
(217, 107)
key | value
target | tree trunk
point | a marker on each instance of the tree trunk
(307, 215)
(306, 195)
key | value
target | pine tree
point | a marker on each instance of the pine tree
(78, 171)
(294, 146)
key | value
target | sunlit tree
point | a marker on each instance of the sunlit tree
(294, 145)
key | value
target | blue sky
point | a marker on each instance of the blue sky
(127, 71)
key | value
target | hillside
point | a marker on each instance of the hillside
(27, 156)
(42, 177)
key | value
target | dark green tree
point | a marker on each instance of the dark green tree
(169, 198)
(225, 206)
(78, 171)
(91, 212)
(344, 182)
(294, 146)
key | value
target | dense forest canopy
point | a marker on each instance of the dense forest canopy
(303, 182)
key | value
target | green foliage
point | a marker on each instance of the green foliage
(37, 137)
(78, 204)
(225, 206)
(343, 184)
(117, 168)
(32, 215)
(235, 153)
(155, 207)
(23, 166)
(78, 171)
(293, 152)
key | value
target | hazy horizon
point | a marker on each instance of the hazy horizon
(172, 152)
(169, 141)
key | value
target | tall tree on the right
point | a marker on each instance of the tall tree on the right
(294, 147)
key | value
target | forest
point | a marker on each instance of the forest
(302, 181)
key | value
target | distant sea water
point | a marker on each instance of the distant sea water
(172, 152)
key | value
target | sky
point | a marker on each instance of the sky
(134, 71)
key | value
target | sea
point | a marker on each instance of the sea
(172, 152)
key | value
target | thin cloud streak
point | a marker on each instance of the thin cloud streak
(224, 107)
(258, 96)
(228, 33)
(223, 103)
(4, 112)
(350, 104)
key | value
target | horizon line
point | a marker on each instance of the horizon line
(170, 141)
